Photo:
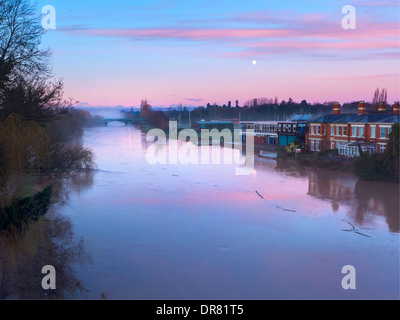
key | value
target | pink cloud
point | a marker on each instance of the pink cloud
(363, 77)
(311, 33)
(187, 34)
(326, 45)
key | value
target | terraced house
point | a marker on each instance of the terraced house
(345, 132)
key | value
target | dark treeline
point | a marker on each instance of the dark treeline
(261, 109)
(381, 166)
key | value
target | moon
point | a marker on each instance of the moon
(254, 62)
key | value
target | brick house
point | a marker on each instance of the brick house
(345, 131)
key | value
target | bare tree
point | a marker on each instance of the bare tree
(383, 96)
(35, 99)
(378, 97)
(20, 37)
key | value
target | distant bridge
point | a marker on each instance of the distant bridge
(126, 121)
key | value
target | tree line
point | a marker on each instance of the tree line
(264, 109)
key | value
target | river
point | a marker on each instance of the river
(168, 231)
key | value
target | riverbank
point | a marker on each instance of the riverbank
(324, 160)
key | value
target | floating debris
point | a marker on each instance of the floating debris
(289, 210)
(260, 195)
(353, 229)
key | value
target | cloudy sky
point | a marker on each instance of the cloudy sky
(194, 52)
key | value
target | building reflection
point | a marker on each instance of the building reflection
(362, 197)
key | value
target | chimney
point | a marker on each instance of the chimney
(336, 108)
(381, 106)
(396, 107)
(362, 107)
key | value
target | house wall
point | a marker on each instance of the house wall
(327, 141)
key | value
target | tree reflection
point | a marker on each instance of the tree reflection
(48, 241)
(380, 198)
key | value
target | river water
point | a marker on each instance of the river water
(170, 231)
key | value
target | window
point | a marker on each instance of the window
(289, 128)
(383, 133)
(279, 127)
(284, 127)
(389, 130)
(318, 130)
(345, 131)
(332, 145)
(373, 132)
(339, 131)
(382, 148)
(360, 131)
(332, 130)
(339, 147)
(354, 133)
(312, 145)
(317, 145)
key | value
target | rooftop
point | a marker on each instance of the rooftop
(356, 118)
(213, 122)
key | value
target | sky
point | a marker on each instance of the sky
(116, 53)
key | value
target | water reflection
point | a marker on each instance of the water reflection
(379, 198)
(346, 192)
(201, 232)
(48, 241)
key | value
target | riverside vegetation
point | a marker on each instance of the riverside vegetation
(40, 132)
(376, 167)
(41, 157)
